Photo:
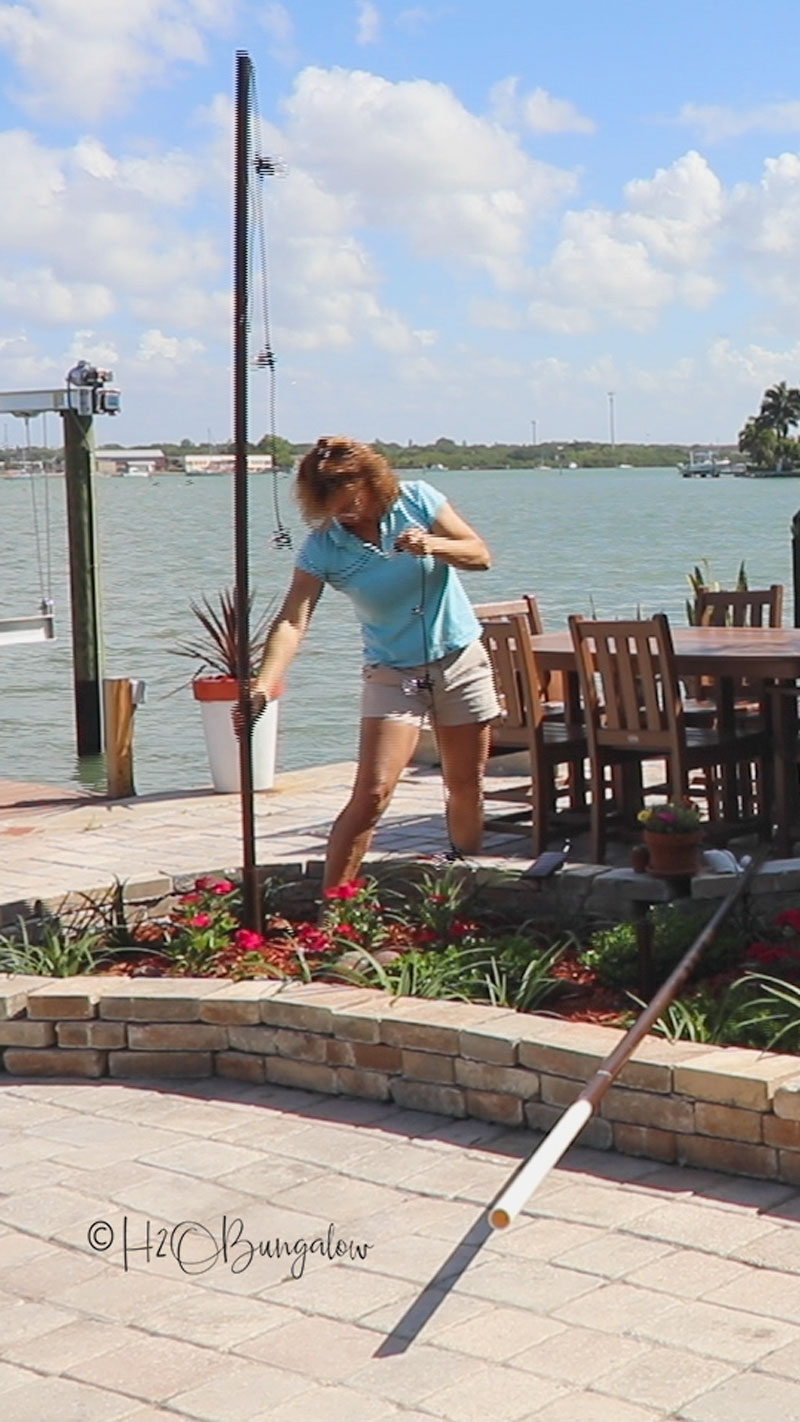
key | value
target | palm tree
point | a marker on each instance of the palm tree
(780, 409)
(759, 442)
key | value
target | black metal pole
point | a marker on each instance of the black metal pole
(244, 76)
(796, 566)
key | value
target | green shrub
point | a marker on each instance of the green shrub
(612, 954)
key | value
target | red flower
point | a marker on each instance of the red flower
(350, 890)
(189, 899)
(208, 884)
(788, 918)
(200, 920)
(460, 927)
(313, 940)
(765, 952)
(424, 935)
(247, 940)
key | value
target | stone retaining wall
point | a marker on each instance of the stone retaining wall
(724, 1108)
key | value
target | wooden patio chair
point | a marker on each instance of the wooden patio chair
(733, 607)
(548, 742)
(551, 684)
(725, 607)
(634, 713)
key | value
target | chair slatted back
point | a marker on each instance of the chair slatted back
(551, 684)
(507, 641)
(525, 606)
(628, 683)
(756, 607)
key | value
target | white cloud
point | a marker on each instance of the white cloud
(676, 213)
(767, 214)
(280, 27)
(90, 155)
(495, 315)
(89, 345)
(93, 236)
(594, 270)
(90, 59)
(537, 111)
(33, 189)
(763, 222)
(369, 23)
(716, 122)
(53, 300)
(415, 19)
(188, 307)
(409, 156)
(628, 266)
(752, 366)
(165, 351)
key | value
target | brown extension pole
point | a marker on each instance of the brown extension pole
(250, 888)
(533, 1171)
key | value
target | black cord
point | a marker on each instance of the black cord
(265, 360)
(427, 681)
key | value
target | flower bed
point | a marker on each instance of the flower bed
(328, 1007)
(434, 938)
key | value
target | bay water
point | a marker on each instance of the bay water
(604, 542)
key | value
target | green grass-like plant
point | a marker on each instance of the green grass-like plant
(55, 955)
(775, 1011)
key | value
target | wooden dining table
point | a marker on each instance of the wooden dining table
(770, 655)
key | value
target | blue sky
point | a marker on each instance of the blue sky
(491, 214)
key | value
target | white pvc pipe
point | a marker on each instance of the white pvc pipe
(530, 1175)
(546, 1155)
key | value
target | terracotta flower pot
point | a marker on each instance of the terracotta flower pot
(673, 855)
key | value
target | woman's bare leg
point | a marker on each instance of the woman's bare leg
(384, 751)
(464, 751)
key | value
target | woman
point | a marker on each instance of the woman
(393, 548)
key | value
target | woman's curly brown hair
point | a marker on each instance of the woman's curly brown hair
(334, 461)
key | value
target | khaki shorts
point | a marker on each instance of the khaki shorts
(461, 691)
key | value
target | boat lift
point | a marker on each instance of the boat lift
(86, 392)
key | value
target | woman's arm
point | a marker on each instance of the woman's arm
(287, 631)
(450, 539)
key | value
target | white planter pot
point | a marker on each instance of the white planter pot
(217, 697)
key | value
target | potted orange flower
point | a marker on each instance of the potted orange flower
(673, 833)
(216, 688)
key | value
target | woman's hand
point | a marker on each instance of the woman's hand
(258, 705)
(415, 540)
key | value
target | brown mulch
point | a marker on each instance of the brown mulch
(584, 999)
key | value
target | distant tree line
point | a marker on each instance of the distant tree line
(449, 454)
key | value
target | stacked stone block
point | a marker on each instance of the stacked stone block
(723, 1108)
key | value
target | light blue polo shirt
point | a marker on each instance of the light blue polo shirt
(412, 610)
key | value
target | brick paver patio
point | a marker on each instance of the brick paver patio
(628, 1291)
(212, 1289)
